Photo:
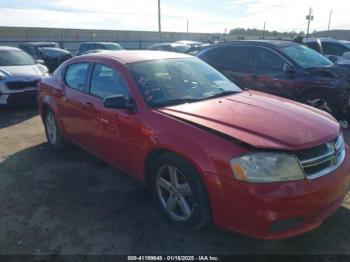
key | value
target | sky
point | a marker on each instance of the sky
(210, 16)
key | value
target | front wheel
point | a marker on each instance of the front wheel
(179, 192)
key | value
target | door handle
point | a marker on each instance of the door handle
(254, 77)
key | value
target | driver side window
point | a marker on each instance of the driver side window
(106, 81)
(265, 58)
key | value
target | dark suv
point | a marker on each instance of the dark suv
(286, 69)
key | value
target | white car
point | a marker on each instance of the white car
(19, 75)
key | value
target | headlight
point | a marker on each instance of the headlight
(43, 70)
(267, 167)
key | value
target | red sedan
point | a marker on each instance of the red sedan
(250, 162)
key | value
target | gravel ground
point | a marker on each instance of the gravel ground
(73, 203)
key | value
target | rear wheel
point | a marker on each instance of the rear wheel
(53, 134)
(179, 192)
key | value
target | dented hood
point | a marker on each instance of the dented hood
(261, 120)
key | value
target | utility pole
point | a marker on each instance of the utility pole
(309, 18)
(159, 23)
(330, 18)
(187, 29)
(264, 30)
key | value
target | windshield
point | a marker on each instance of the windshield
(113, 46)
(346, 43)
(15, 58)
(178, 81)
(181, 48)
(306, 57)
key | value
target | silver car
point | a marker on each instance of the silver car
(19, 75)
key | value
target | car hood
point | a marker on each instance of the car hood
(261, 120)
(25, 70)
(335, 71)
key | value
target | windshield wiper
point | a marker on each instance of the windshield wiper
(176, 102)
(226, 93)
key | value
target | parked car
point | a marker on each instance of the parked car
(251, 162)
(285, 69)
(335, 50)
(190, 43)
(94, 51)
(19, 75)
(170, 47)
(86, 46)
(196, 49)
(49, 53)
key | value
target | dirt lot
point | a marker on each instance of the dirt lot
(72, 203)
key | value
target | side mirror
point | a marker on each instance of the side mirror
(289, 69)
(346, 55)
(119, 102)
(39, 61)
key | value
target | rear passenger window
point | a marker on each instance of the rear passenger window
(236, 54)
(105, 82)
(76, 76)
(265, 58)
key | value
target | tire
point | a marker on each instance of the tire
(186, 187)
(53, 134)
(322, 103)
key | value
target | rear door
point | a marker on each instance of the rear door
(268, 72)
(75, 109)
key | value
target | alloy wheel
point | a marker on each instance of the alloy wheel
(175, 193)
(51, 128)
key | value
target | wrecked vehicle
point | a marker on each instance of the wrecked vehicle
(48, 53)
(250, 162)
(285, 69)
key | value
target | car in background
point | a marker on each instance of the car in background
(194, 50)
(190, 43)
(48, 53)
(285, 69)
(251, 162)
(170, 47)
(19, 75)
(336, 50)
(86, 46)
(94, 51)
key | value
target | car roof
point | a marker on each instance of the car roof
(169, 44)
(134, 56)
(39, 43)
(266, 43)
(188, 42)
(328, 39)
(9, 48)
(89, 43)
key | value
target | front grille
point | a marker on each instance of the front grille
(14, 85)
(322, 160)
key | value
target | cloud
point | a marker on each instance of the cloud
(203, 16)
